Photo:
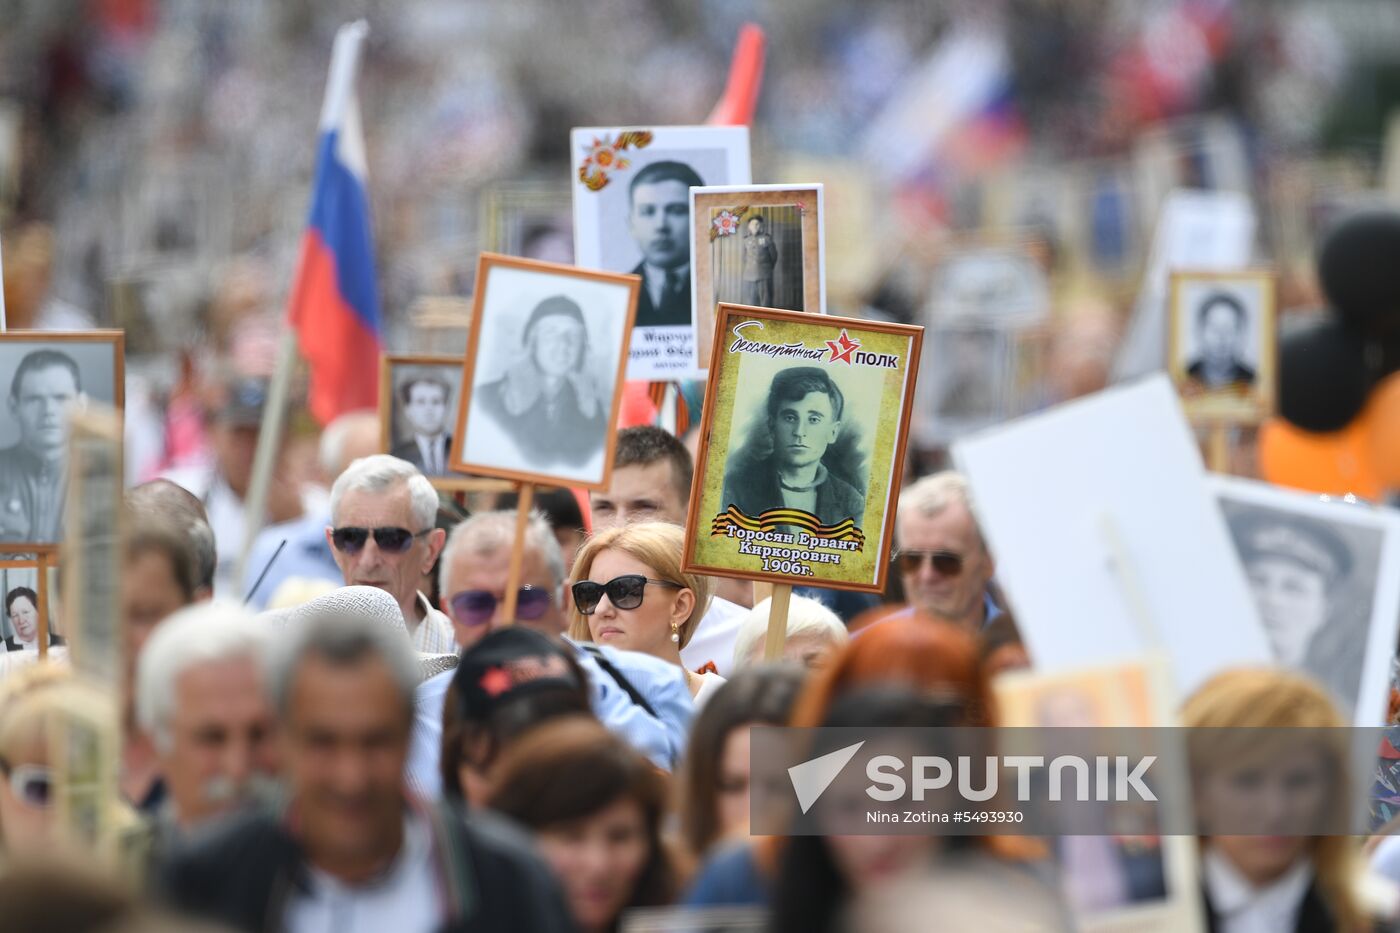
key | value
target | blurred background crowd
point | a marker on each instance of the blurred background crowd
(155, 157)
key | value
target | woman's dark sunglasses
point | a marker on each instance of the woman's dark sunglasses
(624, 592)
(476, 607)
(946, 563)
(351, 540)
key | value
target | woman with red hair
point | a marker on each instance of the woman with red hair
(922, 659)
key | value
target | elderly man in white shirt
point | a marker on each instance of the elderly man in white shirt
(383, 534)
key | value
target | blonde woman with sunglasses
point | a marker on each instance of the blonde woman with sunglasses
(629, 593)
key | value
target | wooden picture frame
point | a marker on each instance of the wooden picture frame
(92, 551)
(718, 222)
(42, 560)
(1250, 295)
(13, 512)
(499, 429)
(867, 443)
(508, 212)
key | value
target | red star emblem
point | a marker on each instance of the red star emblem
(842, 348)
(496, 681)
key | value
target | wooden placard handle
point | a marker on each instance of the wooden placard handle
(517, 550)
(777, 622)
(42, 591)
(1218, 447)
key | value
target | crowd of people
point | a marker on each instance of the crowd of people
(383, 748)
(402, 707)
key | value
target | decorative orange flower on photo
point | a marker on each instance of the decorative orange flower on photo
(726, 222)
(604, 156)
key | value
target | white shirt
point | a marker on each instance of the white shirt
(655, 278)
(709, 683)
(434, 634)
(405, 899)
(713, 639)
(433, 450)
(1243, 908)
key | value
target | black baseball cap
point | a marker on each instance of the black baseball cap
(509, 663)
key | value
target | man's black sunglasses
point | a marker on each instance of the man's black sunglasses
(910, 560)
(391, 540)
(624, 592)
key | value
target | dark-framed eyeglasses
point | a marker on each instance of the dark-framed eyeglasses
(624, 592)
(32, 784)
(911, 560)
(390, 539)
(476, 607)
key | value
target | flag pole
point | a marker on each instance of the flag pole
(340, 85)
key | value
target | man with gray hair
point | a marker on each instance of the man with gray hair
(476, 563)
(943, 562)
(199, 698)
(355, 850)
(297, 550)
(383, 534)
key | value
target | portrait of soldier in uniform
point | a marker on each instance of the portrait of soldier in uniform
(33, 470)
(1305, 578)
(546, 402)
(760, 257)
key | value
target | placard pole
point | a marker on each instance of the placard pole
(777, 622)
(42, 591)
(517, 550)
(1218, 448)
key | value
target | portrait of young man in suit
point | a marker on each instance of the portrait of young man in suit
(658, 217)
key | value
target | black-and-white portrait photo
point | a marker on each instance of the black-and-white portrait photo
(1222, 356)
(801, 449)
(545, 368)
(44, 378)
(635, 216)
(1315, 584)
(1223, 336)
(422, 408)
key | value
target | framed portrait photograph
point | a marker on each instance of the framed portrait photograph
(529, 219)
(803, 446)
(966, 383)
(542, 378)
(1128, 874)
(1325, 576)
(417, 408)
(45, 377)
(1222, 344)
(762, 245)
(26, 579)
(632, 214)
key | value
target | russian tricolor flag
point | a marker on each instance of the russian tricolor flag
(335, 298)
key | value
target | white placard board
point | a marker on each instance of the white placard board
(1107, 538)
(1326, 579)
(1200, 230)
